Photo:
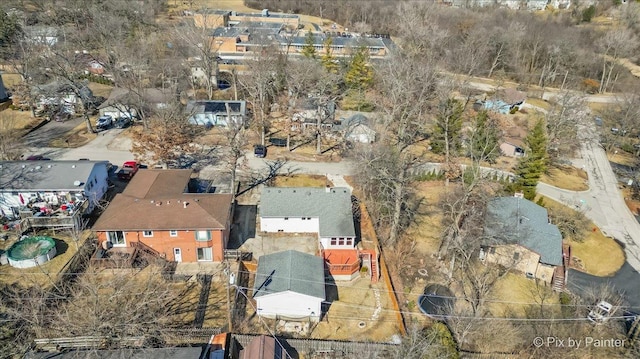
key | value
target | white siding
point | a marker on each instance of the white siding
(289, 305)
(290, 225)
(326, 243)
(98, 187)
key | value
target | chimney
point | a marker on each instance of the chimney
(185, 204)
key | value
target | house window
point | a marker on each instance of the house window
(203, 236)
(333, 241)
(173, 233)
(147, 233)
(304, 218)
(349, 241)
(341, 242)
(286, 218)
(308, 218)
(116, 238)
(204, 254)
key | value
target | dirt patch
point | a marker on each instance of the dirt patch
(302, 181)
(566, 177)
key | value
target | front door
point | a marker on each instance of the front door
(177, 254)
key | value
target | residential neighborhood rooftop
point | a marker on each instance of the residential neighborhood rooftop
(45, 175)
(331, 205)
(514, 220)
(290, 271)
(213, 106)
(157, 199)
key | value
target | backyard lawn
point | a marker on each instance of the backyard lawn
(302, 181)
(514, 294)
(566, 177)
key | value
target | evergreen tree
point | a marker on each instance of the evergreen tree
(534, 164)
(309, 49)
(446, 132)
(483, 142)
(9, 29)
(359, 74)
(328, 60)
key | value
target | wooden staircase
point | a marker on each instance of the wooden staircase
(560, 273)
(370, 257)
(143, 249)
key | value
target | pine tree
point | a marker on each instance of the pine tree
(534, 164)
(309, 49)
(328, 60)
(446, 132)
(484, 139)
(359, 74)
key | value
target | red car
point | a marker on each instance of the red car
(128, 169)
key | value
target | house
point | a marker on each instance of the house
(41, 35)
(325, 211)
(356, 128)
(519, 235)
(124, 103)
(289, 285)
(512, 147)
(51, 191)
(61, 94)
(157, 210)
(216, 113)
(144, 353)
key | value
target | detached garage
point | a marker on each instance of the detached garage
(289, 285)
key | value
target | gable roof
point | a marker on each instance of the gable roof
(332, 207)
(156, 200)
(122, 96)
(45, 175)
(513, 220)
(289, 271)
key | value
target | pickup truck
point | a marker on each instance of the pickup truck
(128, 169)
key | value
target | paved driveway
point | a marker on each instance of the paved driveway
(52, 130)
(624, 281)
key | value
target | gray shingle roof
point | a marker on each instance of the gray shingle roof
(512, 220)
(289, 271)
(332, 207)
(45, 175)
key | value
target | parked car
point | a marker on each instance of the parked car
(37, 158)
(260, 151)
(123, 122)
(278, 142)
(128, 169)
(104, 122)
(600, 313)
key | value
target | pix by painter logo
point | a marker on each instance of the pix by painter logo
(556, 342)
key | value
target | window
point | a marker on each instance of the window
(147, 233)
(116, 238)
(341, 242)
(173, 233)
(333, 241)
(304, 218)
(349, 241)
(202, 236)
(286, 218)
(308, 218)
(204, 254)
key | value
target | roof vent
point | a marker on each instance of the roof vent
(77, 183)
(38, 167)
(197, 199)
(185, 204)
(158, 204)
(152, 201)
(73, 166)
(49, 166)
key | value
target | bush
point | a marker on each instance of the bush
(627, 147)
(514, 109)
(588, 13)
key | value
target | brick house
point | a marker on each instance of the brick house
(158, 210)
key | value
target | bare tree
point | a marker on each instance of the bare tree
(567, 113)
(614, 45)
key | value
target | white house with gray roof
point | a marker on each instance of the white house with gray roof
(325, 211)
(519, 235)
(30, 185)
(289, 285)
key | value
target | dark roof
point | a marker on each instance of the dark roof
(514, 220)
(354, 42)
(332, 207)
(352, 121)
(155, 200)
(216, 107)
(119, 96)
(148, 353)
(262, 347)
(46, 175)
(289, 271)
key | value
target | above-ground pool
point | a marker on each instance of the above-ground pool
(31, 251)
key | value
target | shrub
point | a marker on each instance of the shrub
(514, 109)
(588, 13)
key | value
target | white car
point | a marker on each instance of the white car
(600, 313)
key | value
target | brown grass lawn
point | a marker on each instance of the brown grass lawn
(622, 158)
(428, 225)
(538, 103)
(17, 120)
(566, 177)
(597, 254)
(45, 274)
(11, 80)
(516, 288)
(100, 89)
(302, 181)
(598, 107)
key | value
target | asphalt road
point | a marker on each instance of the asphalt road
(625, 282)
(42, 136)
